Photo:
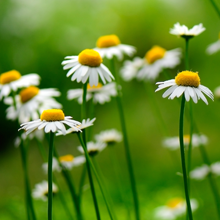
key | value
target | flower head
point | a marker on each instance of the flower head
(100, 93)
(186, 82)
(110, 45)
(88, 64)
(41, 190)
(51, 120)
(30, 102)
(183, 31)
(110, 137)
(199, 173)
(12, 81)
(93, 148)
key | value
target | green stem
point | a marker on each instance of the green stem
(50, 176)
(183, 158)
(81, 183)
(126, 144)
(215, 7)
(187, 54)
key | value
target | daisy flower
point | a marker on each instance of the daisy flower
(214, 47)
(215, 168)
(183, 31)
(156, 59)
(67, 161)
(41, 190)
(110, 45)
(186, 82)
(172, 143)
(174, 208)
(131, 67)
(85, 124)
(110, 137)
(12, 81)
(88, 64)
(30, 102)
(100, 94)
(93, 148)
(51, 120)
(199, 173)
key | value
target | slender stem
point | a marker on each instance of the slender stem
(215, 7)
(81, 183)
(50, 176)
(183, 158)
(187, 54)
(84, 101)
(126, 144)
(90, 164)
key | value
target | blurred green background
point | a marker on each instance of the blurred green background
(36, 35)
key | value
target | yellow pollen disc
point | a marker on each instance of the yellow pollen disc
(66, 158)
(28, 93)
(90, 58)
(154, 54)
(94, 87)
(186, 139)
(187, 78)
(52, 115)
(108, 41)
(9, 76)
(174, 203)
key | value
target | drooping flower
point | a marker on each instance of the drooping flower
(51, 120)
(87, 65)
(110, 45)
(186, 82)
(13, 80)
(30, 102)
(100, 93)
(110, 137)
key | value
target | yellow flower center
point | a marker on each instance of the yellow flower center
(186, 139)
(175, 203)
(108, 41)
(90, 58)
(9, 76)
(154, 54)
(91, 88)
(28, 93)
(66, 158)
(187, 78)
(52, 115)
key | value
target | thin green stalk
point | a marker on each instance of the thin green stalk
(215, 7)
(126, 144)
(81, 182)
(90, 164)
(182, 151)
(187, 54)
(50, 176)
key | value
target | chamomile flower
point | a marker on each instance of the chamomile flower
(174, 208)
(88, 64)
(131, 67)
(183, 31)
(199, 173)
(100, 94)
(157, 59)
(41, 190)
(110, 137)
(110, 45)
(172, 143)
(13, 80)
(93, 148)
(30, 102)
(215, 168)
(186, 82)
(214, 47)
(51, 120)
(85, 124)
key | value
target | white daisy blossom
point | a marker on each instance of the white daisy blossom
(93, 148)
(200, 173)
(215, 168)
(131, 67)
(174, 209)
(55, 121)
(182, 30)
(30, 109)
(55, 166)
(186, 82)
(100, 94)
(12, 81)
(109, 46)
(172, 143)
(85, 124)
(150, 71)
(213, 48)
(88, 65)
(41, 190)
(109, 136)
